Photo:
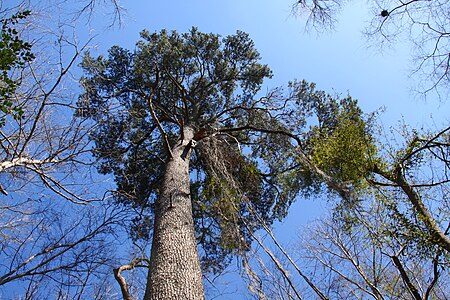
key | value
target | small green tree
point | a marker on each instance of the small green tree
(14, 54)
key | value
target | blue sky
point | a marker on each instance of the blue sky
(339, 62)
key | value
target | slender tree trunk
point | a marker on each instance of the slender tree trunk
(438, 237)
(175, 271)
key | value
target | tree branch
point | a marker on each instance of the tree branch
(158, 123)
(435, 277)
(412, 289)
(122, 281)
(279, 266)
(438, 237)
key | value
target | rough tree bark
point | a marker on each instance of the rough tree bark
(175, 271)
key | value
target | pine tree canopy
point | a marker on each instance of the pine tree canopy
(245, 147)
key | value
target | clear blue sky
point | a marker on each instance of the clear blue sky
(339, 62)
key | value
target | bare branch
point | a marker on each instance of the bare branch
(122, 281)
(412, 289)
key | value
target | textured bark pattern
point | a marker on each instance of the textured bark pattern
(175, 271)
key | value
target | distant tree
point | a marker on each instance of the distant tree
(364, 262)
(55, 239)
(392, 222)
(424, 23)
(179, 125)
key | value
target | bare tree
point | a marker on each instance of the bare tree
(425, 23)
(46, 143)
(57, 229)
(46, 253)
(364, 262)
(416, 176)
(70, 11)
(279, 276)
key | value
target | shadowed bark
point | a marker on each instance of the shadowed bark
(174, 265)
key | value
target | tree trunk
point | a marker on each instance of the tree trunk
(438, 237)
(175, 271)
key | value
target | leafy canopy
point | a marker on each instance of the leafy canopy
(193, 79)
(245, 161)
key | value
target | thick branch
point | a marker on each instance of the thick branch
(413, 290)
(263, 130)
(435, 277)
(158, 123)
(182, 91)
(437, 235)
(122, 281)
(276, 261)
(343, 190)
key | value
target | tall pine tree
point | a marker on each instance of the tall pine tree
(179, 125)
